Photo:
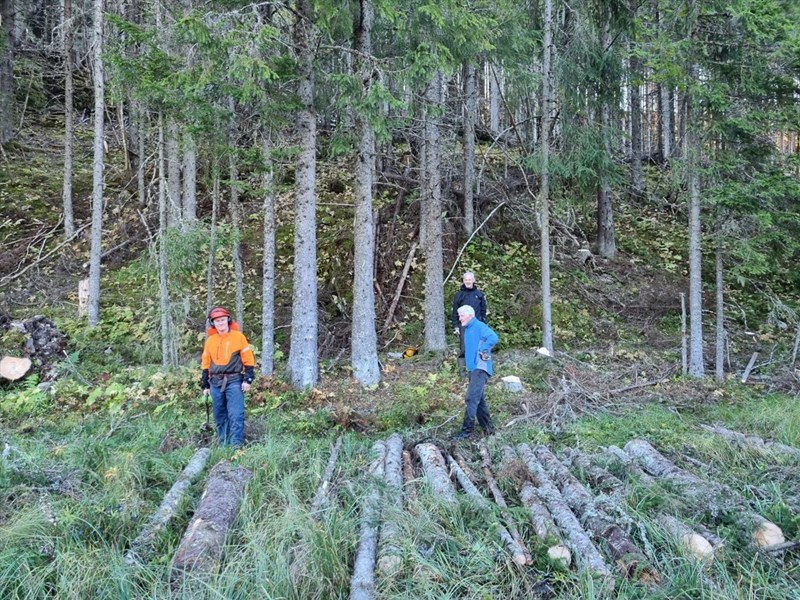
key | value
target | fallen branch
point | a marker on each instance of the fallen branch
(512, 546)
(142, 547)
(400, 284)
(500, 501)
(323, 490)
(764, 533)
(362, 583)
(749, 367)
(201, 547)
(781, 547)
(576, 537)
(469, 239)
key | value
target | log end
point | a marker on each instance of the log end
(560, 553)
(768, 535)
(520, 559)
(699, 546)
(389, 565)
(13, 367)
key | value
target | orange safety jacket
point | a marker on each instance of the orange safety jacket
(227, 354)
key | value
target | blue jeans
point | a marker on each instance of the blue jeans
(476, 402)
(228, 408)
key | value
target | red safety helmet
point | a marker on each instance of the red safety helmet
(217, 312)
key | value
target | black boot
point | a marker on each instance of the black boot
(462, 435)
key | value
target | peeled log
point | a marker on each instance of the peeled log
(362, 583)
(142, 546)
(389, 551)
(627, 555)
(13, 368)
(689, 540)
(585, 552)
(435, 472)
(514, 549)
(201, 547)
(754, 442)
(764, 533)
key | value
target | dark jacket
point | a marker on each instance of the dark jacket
(469, 297)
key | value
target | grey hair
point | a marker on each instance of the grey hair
(466, 310)
(470, 273)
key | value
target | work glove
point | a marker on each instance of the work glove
(484, 355)
(457, 331)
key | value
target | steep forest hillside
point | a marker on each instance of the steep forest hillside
(622, 179)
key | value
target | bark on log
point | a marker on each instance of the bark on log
(754, 442)
(142, 547)
(620, 457)
(389, 551)
(500, 501)
(408, 477)
(436, 472)
(585, 552)
(13, 367)
(691, 541)
(716, 497)
(623, 551)
(201, 547)
(597, 476)
(511, 545)
(323, 490)
(362, 583)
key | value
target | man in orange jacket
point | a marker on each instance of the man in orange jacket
(228, 369)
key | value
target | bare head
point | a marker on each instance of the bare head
(469, 279)
(465, 314)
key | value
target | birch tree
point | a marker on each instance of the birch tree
(97, 170)
(364, 353)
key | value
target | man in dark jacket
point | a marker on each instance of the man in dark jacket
(468, 295)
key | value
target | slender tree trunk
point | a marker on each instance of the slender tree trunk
(544, 190)
(173, 173)
(637, 184)
(494, 101)
(470, 118)
(168, 354)
(268, 270)
(364, 342)
(236, 223)
(606, 242)
(69, 223)
(97, 172)
(302, 366)
(141, 185)
(692, 157)
(719, 354)
(434, 278)
(189, 182)
(212, 244)
(7, 16)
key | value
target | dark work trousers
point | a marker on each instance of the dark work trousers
(476, 402)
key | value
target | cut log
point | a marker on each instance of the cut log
(408, 477)
(754, 442)
(514, 549)
(435, 472)
(586, 554)
(630, 560)
(618, 456)
(389, 551)
(486, 464)
(323, 489)
(689, 540)
(201, 547)
(714, 496)
(13, 367)
(362, 583)
(142, 547)
(597, 475)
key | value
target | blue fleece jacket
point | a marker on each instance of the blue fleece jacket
(478, 336)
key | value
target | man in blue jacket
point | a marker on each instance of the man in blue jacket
(479, 339)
